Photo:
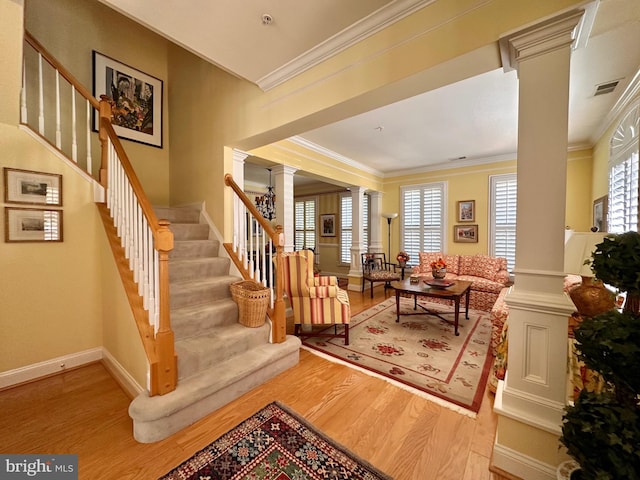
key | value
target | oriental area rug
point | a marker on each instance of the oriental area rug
(274, 444)
(420, 353)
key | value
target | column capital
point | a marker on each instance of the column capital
(375, 194)
(283, 170)
(547, 36)
(239, 155)
(355, 189)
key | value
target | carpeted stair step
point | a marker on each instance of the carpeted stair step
(196, 292)
(190, 231)
(204, 318)
(155, 418)
(194, 248)
(178, 214)
(181, 269)
(231, 341)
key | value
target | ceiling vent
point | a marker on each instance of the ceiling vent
(604, 88)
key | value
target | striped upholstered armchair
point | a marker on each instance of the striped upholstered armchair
(315, 300)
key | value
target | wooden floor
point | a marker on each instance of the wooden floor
(85, 412)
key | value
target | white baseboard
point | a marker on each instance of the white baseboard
(520, 465)
(29, 373)
(12, 378)
(124, 378)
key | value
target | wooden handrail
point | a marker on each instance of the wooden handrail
(147, 208)
(162, 358)
(278, 319)
(63, 71)
(165, 375)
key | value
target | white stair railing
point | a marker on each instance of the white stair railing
(256, 249)
(146, 241)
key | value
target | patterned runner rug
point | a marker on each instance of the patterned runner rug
(274, 444)
(420, 352)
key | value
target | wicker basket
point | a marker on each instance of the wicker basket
(253, 300)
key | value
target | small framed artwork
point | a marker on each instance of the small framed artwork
(465, 233)
(136, 100)
(32, 225)
(467, 211)
(36, 188)
(328, 225)
(600, 211)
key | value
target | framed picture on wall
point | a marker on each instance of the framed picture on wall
(136, 100)
(32, 225)
(328, 225)
(37, 188)
(600, 210)
(467, 211)
(465, 233)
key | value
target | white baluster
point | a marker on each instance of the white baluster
(89, 158)
(40, 97)
(156, 289)
(74, 133)
(264, 257)
(251, 249)
(145, 263)
(257, 273)
(23, 93)
(58, 128)
(271, 272)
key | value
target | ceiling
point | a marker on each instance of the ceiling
(416, 133)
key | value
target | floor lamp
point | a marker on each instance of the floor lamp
(389, 217)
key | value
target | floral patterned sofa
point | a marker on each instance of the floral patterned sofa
(489, 275)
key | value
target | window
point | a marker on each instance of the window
(502, 217)
(423, 218)
(623, 174)
(346, 226)
(305, 224)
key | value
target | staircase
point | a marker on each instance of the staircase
(218, 358)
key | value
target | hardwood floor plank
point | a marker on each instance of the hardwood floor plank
(83, 411)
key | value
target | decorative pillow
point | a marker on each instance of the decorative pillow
(485, 266)
(426, 258)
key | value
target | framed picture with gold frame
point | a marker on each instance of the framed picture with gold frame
(465, 233)
(35, 188)
(32, 225)
(600, 211)
(467, 211)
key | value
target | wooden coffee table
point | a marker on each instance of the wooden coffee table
(455, 292)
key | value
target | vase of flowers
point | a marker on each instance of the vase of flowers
(438, 268)
(403, 258)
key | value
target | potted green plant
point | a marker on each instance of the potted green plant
(601, 431)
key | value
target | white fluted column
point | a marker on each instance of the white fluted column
(357, 219)
(285, 203)
(531, 401)
(375, 225)
(238, 212)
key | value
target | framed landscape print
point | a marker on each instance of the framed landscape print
(32, 225)
(328, 225)
(36, 188)
(136, 100)
(467, 211)
(600, 207)
(465, 233)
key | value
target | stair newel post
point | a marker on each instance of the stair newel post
(279, 316)
(105, 113)
(167, 371)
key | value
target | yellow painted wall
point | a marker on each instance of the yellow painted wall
(70, 30)
(211, 109)
(50, 293)
(578, 213)
(466, 183)
(62, 298)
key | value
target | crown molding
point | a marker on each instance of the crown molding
(314, 147)
(363, 29)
